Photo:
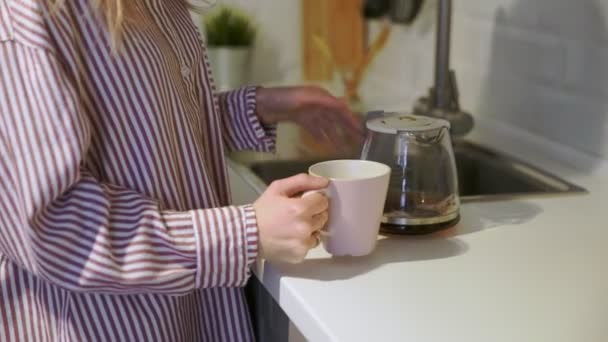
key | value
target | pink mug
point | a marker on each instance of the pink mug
(357, 192)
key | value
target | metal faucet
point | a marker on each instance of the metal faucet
(442, 100)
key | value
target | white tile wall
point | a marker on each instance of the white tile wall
(538, 64)
(277, 53)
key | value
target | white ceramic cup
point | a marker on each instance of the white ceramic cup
(357, 192)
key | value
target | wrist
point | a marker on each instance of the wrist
(269, 107)
(262, 107)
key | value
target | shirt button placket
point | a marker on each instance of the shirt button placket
(186, 71)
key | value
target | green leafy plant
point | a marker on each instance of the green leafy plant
(229, 26)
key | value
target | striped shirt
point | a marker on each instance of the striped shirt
(115, 223)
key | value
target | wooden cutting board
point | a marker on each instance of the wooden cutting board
(339, 24)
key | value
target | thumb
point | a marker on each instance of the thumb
(299, 183)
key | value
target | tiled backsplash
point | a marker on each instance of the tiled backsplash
(538, 64)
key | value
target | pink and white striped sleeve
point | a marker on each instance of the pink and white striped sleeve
(242, 128)
(65, 226)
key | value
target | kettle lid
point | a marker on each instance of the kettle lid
(396, 122)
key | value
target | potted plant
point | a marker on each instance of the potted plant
(230, 35)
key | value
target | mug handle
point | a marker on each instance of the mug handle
(323, 231)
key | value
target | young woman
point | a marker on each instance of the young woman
(115, 222)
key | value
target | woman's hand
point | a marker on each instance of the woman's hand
(288, 226)
(326, 117)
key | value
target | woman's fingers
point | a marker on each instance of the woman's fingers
(337, 127)
(315, 240)
(315, 203)
(319, 221)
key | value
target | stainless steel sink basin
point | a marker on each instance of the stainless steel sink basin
(483, 174)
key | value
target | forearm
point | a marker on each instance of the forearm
(101, 238)
(272, 105)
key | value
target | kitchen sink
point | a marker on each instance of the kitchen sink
(483, 174)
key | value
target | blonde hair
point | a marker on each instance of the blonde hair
(114, 13)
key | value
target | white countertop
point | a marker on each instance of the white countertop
(521, 270)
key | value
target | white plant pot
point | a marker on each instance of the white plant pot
(230, 66)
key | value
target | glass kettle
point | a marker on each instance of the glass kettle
(423, 189)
